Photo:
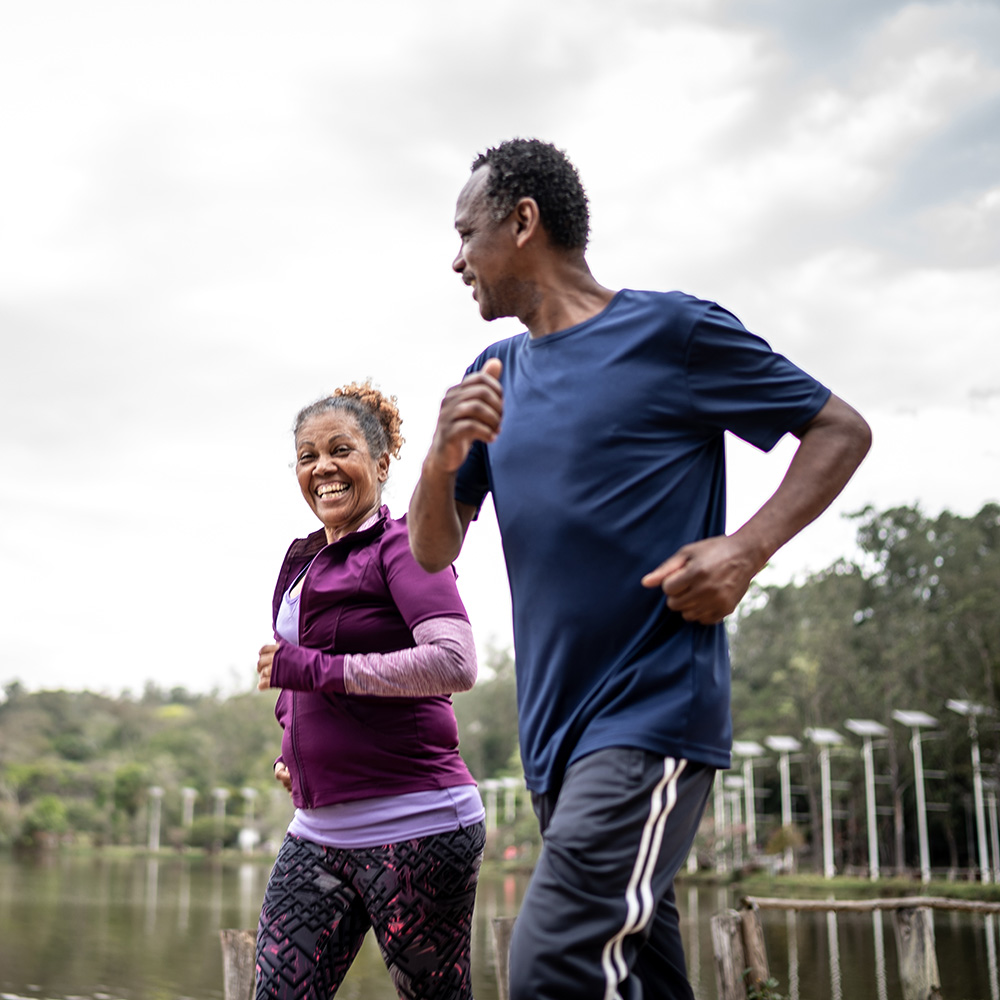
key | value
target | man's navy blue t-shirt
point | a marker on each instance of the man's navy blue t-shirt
(610, 457)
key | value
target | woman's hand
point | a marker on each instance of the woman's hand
(264, 659)
(282, 774)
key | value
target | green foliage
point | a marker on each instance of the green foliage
(487, 719)
(766, 990)
(206, 832)
(46, 815)
(130, 785)
(98, 757)
(909, 621)
(783, 838)
(908, 624)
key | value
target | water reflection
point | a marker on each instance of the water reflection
(184, 899)
(792, 922)
(881, 990)
(991, 957)
(149, 929)
(692, 941)
(152, 892)
(834, 944)
(249, 897)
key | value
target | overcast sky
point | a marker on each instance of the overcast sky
(213, 212)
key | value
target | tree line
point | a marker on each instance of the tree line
(78, 766)
(909, 621)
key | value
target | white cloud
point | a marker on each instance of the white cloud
(217, 211)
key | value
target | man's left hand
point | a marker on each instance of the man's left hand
(704, 581)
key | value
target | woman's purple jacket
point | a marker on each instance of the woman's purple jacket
(364, 593)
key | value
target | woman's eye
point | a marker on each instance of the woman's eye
(305, 457)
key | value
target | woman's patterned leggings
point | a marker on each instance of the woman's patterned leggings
(417, 895)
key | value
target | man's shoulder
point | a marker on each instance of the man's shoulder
(501, 349)
(671, 301)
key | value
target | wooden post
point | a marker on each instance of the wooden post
(727, 945)
(239, 963)
(918, 968)
(754, 952)
(503, 927)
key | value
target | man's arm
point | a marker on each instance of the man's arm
(705, 580)
(470, 411)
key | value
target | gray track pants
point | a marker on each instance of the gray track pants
(599, 921)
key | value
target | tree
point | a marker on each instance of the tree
(908, 623)
(487, 719)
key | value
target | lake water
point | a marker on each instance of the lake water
(105, 928)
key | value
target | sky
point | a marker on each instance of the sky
(215, 212)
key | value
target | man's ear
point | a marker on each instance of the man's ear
(527, 221)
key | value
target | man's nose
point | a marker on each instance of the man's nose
(458, 264)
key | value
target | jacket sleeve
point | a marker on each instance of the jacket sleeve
(442, 661)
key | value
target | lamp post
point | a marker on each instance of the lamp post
(220, 795)
(188, 796)
(748, 749)
(510, 787)
(156, 797)
(734, 786)
(824, 739)
(783, 746)
(491, 786)
(719, 816)
(249, 796)
(866, 729)
(915, 720)
(991, 809)
(970, 710)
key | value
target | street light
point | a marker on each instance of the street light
(220, 795)
(866, 729)
(156, 794)
(188, 795)
(991, 809)
(970, 710)
(719, 817)
(734, 785)
(748, 749)
(915, 720)
(824, 739)
(783, 746)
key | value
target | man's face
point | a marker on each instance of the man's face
(485, 258)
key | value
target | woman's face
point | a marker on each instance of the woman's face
(340, 480)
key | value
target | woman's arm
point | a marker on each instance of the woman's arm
(442, 661)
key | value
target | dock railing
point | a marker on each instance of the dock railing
(741, 958)
(741, 964)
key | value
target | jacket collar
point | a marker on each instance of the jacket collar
(306, 548)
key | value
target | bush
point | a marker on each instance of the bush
(44, 820)
(204, 832)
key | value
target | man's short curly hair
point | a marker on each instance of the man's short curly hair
(530, 168)
(377, 415)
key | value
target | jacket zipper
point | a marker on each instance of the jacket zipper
(299, 769)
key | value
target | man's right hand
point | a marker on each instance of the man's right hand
(470, 411)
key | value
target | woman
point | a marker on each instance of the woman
(388, 830)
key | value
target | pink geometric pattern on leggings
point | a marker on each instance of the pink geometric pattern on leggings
(417, 895)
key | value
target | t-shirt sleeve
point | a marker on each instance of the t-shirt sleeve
(417, 594)
(737, 383)
(472, 482)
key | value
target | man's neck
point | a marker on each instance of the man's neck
(563, 297)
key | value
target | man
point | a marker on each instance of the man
(599, 432)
